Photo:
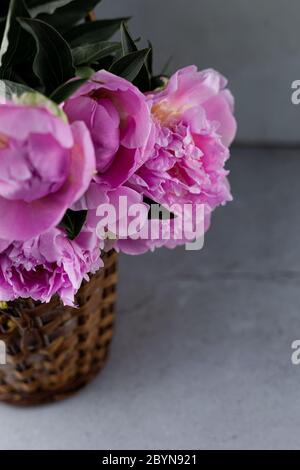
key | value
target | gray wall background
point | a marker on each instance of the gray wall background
(255, 43)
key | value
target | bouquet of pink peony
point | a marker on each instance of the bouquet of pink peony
(86, 126)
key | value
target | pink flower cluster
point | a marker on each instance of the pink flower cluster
(169, 146)
(47, 265)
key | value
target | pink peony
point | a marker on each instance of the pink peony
(46, 165)
(194, 122)
(119, 120)
(47, 265)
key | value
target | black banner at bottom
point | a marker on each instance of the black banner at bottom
(134, 459)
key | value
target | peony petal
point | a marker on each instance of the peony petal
(24, 220)
(219, 109)
(21, 121)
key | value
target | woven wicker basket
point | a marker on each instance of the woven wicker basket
(52, 351)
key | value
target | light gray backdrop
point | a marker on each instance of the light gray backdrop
(255, 43)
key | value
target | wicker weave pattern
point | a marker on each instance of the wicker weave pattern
(52, 350)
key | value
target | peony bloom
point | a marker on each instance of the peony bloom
(118, 117)
(195, 125)
(46, 165)
(47, 265)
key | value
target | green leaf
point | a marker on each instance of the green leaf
(17, 48)
(15, 41)
(67, 16)
(9, 90)
(33, 98)
(66, 90)
(128, 44)
(158, 82)
(104, 63)
(84, 72)
(100, 30)
(73, 222)
(150, 59)
(4, 5)
(143, 79)
(129, 66)
(11, 75)
(164, 213)
(2, 28)
(90, 53)
(36, 7)
(53, 62)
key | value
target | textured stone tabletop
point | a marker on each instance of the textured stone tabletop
(202, 352)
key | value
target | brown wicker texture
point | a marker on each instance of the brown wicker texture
(52, 351)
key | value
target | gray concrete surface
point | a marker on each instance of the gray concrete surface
(202, 352)
(254, 43)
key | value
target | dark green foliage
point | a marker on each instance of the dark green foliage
(143, 78)
(46, 42)
(17, 44)
(61, 14)
(73, 222)
(93, 52)
(66, 90)
(53, 62)
(100, 30)
(130, 65)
